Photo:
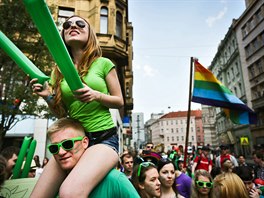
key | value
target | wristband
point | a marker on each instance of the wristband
(101, 96)
(49, 98)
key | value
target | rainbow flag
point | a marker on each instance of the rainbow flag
(208, 90)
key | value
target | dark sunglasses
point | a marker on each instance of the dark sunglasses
(144, 164)
(67, 145)
(67, 24)
(202, 184)
(151, 147)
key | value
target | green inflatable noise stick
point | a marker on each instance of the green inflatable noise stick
(21, 60)
(42, 18)
(22, 154)
(29, 159)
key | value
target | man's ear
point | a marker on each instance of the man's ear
(142, 187)
(85, 142)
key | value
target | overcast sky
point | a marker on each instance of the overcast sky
(166, 34)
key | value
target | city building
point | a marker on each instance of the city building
(170, 129)
(250, 35)
(227, 68)
(138, 133)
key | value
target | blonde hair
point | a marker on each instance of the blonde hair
(230, 185)
(65, 123)
(197, 174)
(91, 52)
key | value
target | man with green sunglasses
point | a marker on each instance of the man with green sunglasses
(68, 143)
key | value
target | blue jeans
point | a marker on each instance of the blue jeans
(112, 141)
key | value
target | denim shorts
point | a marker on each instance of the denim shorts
(112, 142)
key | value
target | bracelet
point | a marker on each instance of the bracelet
(49, 98)
(101, 96)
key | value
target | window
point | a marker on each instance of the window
(104, 20)
(119, 22)
(63, 14)
(172, 138)
(168, 138)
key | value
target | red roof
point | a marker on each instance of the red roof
(196, 113)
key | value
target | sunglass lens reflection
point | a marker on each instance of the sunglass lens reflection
(67, 24)
(67, 145)
(53, 148)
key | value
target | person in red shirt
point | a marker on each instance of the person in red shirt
(225, 155)
(202, 161)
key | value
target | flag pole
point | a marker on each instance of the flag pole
(189, 112)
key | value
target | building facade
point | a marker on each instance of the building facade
(250, 34)
(138, 132)
(227, 68)
(170, 129)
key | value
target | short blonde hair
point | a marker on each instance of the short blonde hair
(64, 123)
(230, 185)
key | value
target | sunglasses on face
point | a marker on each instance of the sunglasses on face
(150, 147)
(67, 24)
(144, 164)
(67, 145)
(202, 184)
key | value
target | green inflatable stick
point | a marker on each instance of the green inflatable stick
(21, 60)
(21, 156)
(29, 158)
(42, 18)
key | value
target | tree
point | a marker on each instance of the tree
(16, 99)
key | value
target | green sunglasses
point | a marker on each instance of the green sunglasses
(144, 164)
(67, 145)
(202, 184)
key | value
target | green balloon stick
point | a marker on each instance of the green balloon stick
(29, 158)
(21, 60)
(42, 18)
(20, 158)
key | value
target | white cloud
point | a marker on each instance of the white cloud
(149, 71)
(213, 19)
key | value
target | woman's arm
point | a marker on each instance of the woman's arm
(114, 100)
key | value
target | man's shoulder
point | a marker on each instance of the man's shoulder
(115, 185)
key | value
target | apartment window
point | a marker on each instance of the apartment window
(177, 138)
(172, 138)
(172, 130)
(63, 14)
(252, 72)
(168, 139)
(228, 77)
(182, 138)
(104, 20)
(192, 138)
(119, 22)
(199, 138)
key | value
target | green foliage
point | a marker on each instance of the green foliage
(16, 98)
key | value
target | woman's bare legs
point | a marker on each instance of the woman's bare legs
(50, 180)
(93, 166)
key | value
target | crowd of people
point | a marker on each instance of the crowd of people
(205, 175)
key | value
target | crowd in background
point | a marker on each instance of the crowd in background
(155, 174)
(201, 174)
